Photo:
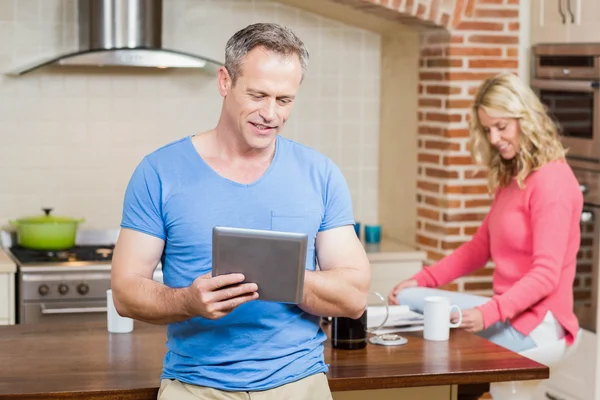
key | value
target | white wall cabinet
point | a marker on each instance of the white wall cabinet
(565, 21)
(7, 298)
(392, 264)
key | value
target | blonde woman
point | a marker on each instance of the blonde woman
(531, 232)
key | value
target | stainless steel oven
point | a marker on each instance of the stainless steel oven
(566, 78)
(64, 286)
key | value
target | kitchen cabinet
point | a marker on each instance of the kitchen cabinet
(7, 290)
(7, 298)
(421, 393)
(565, 21)
(391, 263)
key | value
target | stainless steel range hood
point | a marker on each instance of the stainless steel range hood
(121, 33)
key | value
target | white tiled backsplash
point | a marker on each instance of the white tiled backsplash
(71, 139)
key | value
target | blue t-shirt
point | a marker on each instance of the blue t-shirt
(175, 196)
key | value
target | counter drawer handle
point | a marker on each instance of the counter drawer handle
(550, 397)
(73, 310)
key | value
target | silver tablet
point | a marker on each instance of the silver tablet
(274, 260)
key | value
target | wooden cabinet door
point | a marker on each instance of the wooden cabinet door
(583, 19)
(550, 21)
(421, 393)
(386, 274)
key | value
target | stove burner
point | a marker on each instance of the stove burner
(74, 254)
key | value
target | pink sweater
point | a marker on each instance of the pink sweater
(532, 235)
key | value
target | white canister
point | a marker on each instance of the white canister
(115, 322)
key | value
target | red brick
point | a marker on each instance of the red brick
(438, 117)
(434, 255)
(475, 174)
(464, 189)
(466, 216)
(459, 104)
(431, 76)
(459, 7)
(439, 145)
(428, 186)
(457, 160)
(428, 214)
(478, 203)
(437, 103)
(513, 26)
(438, 38)
(426, 241)
(470, 230)
(442, 229)
(432, 52)
(442, 89)
(496, 13)
(493, 63)
(444, 63)
(450, 245)
(494, 39)
(441, 173)
(475, 51)
(470, 7)
(451, 287)
(441, 202)
(478, 286)
(428, 158)
(469, 76)
(430, 130)
(457, 133)
(479, 26)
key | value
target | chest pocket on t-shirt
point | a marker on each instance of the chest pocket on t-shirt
(307, 222)
(300, 222)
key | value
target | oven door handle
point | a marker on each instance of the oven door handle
(566, 85)
(71, 310)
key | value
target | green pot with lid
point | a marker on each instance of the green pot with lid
(47, 232)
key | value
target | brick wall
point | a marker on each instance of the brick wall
(452, 193)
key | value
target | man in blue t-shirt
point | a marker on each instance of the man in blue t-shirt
(222, 341)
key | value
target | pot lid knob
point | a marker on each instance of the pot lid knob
(47, 211)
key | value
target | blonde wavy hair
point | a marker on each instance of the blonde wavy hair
(506, 96)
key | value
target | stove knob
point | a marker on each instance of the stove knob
(63, 289)
(43, 290)
(82, 288)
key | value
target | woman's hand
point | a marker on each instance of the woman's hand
(402, 285)
(472, 320)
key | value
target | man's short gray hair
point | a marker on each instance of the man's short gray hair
(272, 37)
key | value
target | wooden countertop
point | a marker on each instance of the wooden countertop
(84, 361)
(389, 250)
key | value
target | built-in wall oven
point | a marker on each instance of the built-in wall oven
(566, 78)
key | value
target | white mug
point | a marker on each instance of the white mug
(115, 322)
(436, 314)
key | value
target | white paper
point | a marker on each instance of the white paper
(400, 315)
